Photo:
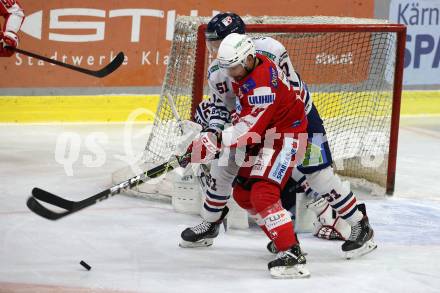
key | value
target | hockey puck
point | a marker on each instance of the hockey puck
(85, 265)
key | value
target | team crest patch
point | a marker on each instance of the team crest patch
(261, 99)
(248, 86)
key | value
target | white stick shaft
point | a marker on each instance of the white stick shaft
(174, 109)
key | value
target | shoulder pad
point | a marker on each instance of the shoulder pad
(267, 54)
(213, 68)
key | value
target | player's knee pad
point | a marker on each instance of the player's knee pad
(264, 194)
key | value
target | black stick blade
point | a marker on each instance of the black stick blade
(109, 68)
(42, 211)
(112, 66)
(71, 207)
(52, 199)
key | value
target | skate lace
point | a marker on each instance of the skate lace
(281, 254)
(286, 254)
(202, 227)
(355, 231)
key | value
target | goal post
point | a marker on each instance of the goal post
(353, 68)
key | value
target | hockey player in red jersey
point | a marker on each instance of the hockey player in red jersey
(14, 16)
(268, 122)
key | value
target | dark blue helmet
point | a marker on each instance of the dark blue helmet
(224, 24)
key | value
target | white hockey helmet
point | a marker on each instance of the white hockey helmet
(234, 50)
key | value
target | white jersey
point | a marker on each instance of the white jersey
(220, 84)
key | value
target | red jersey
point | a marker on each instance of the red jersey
(13, 14)
(264, 100)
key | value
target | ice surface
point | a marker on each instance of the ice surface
(131, 244)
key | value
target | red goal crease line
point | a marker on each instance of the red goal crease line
(23, 287)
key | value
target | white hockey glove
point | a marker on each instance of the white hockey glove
(190, 130)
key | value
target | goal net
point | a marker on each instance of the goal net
(353, 68)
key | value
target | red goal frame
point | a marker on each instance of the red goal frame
(399, 29)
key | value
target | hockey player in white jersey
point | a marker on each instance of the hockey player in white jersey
(320, 176)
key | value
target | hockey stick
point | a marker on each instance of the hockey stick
(174, 110)
(109, 68)
(71, 207)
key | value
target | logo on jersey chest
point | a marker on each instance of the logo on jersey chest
(247, 86)
(261, 99)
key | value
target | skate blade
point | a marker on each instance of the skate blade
(295, 272)
(201, 243)
(368, 247)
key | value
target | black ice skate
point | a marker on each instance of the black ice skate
(361, 240)
(203, 234)
(290, 264)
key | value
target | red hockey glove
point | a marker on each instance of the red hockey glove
(9, 39)
(204, 148)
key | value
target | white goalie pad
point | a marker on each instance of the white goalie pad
(186, 196)
(304, 217)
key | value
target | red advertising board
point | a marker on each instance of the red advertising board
(89, 33)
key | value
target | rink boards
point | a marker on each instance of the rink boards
(116, 108)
